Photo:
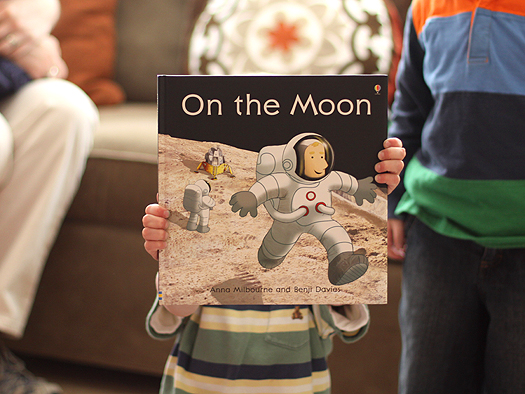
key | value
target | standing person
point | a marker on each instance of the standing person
(46, 128)
(459, 110)
(254, 348)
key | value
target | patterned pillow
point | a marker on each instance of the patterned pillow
(86, 31)
(296, 37)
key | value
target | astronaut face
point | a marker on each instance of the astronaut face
(315, 163)
(314, 157)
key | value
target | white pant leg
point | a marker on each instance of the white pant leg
(204, 217)
(6, 151)
(333, 236)
(281, 238)
(52, 123)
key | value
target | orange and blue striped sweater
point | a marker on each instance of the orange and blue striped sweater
(459, 109)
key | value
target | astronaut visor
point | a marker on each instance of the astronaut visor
(321, 157)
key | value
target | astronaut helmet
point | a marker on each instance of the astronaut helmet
(204, 186)
(312, 167)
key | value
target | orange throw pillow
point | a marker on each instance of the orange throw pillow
(87, 34)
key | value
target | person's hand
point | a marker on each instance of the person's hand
(396, 239)
(44, 60)
(25, 38)
(391, 163)
(15, 39)
(155, 232)
(32, 18)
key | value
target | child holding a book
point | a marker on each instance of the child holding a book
(254, 348)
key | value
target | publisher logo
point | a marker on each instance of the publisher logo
(377, 89)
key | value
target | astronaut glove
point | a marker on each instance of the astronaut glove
(244, 201)
(365, 191)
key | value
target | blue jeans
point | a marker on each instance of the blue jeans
(462, 316)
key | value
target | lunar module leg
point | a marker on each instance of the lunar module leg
(345, 264)
(229, 169)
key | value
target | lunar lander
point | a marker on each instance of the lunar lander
(214, 163)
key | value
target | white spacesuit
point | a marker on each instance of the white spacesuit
(294, 182)
(198, 202)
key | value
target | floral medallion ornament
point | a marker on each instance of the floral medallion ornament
(294, 37)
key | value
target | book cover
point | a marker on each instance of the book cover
(269, 182)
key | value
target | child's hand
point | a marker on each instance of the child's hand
(155, 233)
(396, 239)
(391, 163)
(155, 223)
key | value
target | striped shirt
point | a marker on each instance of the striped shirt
(458, 109)
(239, 349)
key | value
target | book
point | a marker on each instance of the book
(269, 182)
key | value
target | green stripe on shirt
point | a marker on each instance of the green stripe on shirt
(489, 212)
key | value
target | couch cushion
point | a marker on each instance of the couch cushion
(127, 132)
(86, 31)
(153, 39)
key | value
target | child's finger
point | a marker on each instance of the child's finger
(157, 210)
(153, 247)
(391, 180)
(393, 153)
(151, 221)
(391, 166)
(392, 142)
(151, 234)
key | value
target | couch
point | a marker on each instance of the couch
(98, 282)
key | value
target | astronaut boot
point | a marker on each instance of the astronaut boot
(191, 226)
(203, 229)
(266, 262)
(347, 267)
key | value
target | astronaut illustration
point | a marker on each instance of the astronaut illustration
(198, 202)
(294, 182)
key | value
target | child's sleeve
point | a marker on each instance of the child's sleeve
(413, 102)
(161, 324)
(349, 322)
